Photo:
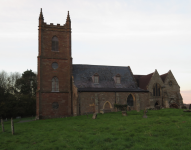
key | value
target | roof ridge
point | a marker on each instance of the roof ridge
(147, 75)
(98, 65)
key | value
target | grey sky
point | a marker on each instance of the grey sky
(143, 34)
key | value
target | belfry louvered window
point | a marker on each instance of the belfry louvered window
(54, 43)
(156, 89)
(55, 84)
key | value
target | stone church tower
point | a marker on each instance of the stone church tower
(54, 70)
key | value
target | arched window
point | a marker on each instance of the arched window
(130, 100)
(54, 43)
(156, 89)
(55, 84)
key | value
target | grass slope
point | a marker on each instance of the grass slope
(166, 129)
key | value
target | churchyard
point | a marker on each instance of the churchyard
(165, 129)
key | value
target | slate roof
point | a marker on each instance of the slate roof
(83, 78)
(143, 80)
(163, 76)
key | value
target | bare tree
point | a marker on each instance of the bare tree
(8, 81)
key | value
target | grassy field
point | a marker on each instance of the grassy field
(166, 129)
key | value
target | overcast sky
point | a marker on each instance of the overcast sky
(143, 34)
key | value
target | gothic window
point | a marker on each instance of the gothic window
(156, 89)
(55, 84)
(54, 43)
(130, 100)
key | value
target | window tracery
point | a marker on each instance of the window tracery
(156, 89)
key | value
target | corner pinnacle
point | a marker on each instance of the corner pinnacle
(41, 15)
(68, 17)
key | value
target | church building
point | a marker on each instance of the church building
(67, 89)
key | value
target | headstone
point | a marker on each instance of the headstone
(157, 107)
(184, 107)
(102, 111)
(6, 119)
(124, 113)
(2, 125)
(36, 118)
(94, 116)
(128, 108)
(187, 110)
(145, 111)
(12, 126)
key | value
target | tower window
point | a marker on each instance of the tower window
(55, 84)
(54, 65)
(54, 43)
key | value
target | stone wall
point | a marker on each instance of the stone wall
(91, 102)
(153, 99)
(172, 93)
(169, 94)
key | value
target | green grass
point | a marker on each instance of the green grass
(166, 129)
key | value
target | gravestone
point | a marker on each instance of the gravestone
(102, 111)
(36, 118)
(94, 116)
(2, 125)
(187, 110)
(12, 126)
(157, 107)
(184, 107)
(124, 113)
(145, 111)
(128, 108)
